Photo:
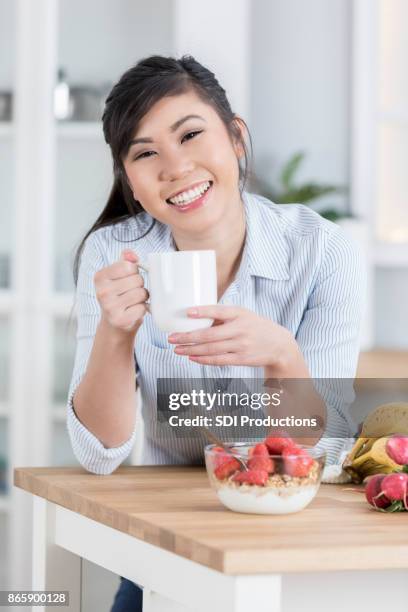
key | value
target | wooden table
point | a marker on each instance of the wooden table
(163, 528)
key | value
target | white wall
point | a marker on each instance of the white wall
(202, 32)
(8, 32)
(300, 86)
(391, 308)
(300, 100)
(99, 39)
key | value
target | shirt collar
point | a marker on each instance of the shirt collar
(266, 251)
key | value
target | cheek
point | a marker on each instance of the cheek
(137, 180)
(143, 188)
(224, 162)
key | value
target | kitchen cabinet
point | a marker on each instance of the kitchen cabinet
(54, 180)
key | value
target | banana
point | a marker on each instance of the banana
(378, 454)
(368, 455)
(385, 420)
(374, 461)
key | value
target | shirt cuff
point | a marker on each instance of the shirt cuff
(89, 451)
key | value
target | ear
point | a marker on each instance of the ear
(241, 128)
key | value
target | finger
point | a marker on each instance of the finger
(126, 284)
(218, 311)
(227, 359)
(129, 255)
(107, 290)
(121, 269)
(202, 350)
(133, 297)
(211, 334)
(135, 312)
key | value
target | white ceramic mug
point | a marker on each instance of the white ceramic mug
(179, 280)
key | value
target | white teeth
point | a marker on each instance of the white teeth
(189, 196)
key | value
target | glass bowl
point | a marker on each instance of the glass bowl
(250, 479)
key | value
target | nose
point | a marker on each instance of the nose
(175, 166)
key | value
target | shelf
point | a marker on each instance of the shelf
(390, 255)
(382, 370)
(62, 303)
(6, 129)
(394, 116)
(7, 300)
(382, 363)
(80, 129)
(59, 413)
(4, 502)
(69, 129)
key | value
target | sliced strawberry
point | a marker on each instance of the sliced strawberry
(252, 477)
(260, 462)
(228, 467)
(297, 461)
(276, 445)
(259, 449)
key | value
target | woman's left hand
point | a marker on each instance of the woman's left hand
(237, 337)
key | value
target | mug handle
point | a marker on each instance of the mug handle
(143, 266)
(146, 269)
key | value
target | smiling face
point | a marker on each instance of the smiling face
(182, 152)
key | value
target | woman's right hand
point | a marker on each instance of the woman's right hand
(121, 294)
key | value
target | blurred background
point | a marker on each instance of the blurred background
(323, 86)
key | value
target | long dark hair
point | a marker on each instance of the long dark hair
(138, 89)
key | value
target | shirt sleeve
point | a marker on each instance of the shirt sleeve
(329, 336)
(88, 450)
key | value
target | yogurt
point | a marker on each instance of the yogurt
(260, 500)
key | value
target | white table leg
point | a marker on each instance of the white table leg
(243, 593)
(154, 602)
(171, 583)
(261, 593)
(54, 568)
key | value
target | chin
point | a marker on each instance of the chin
(203, 221)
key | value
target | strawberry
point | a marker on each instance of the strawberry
(222, 458)
(260, 462)
(297, 461)
(259, 449)
(252, 477)
(276, 445)
(227, 467)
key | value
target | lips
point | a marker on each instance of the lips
(197, 187)
(193, 204)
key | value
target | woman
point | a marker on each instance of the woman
(289, 283)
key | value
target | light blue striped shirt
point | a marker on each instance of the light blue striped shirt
(297, 269)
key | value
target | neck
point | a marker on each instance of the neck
(227, 240)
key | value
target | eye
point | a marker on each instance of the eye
(191, 135)
(143, 155)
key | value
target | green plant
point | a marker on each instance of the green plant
(288, 191)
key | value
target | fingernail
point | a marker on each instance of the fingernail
(172, 338)
(192, 312)
(131, 255)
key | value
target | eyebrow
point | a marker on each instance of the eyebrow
(173, 128)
